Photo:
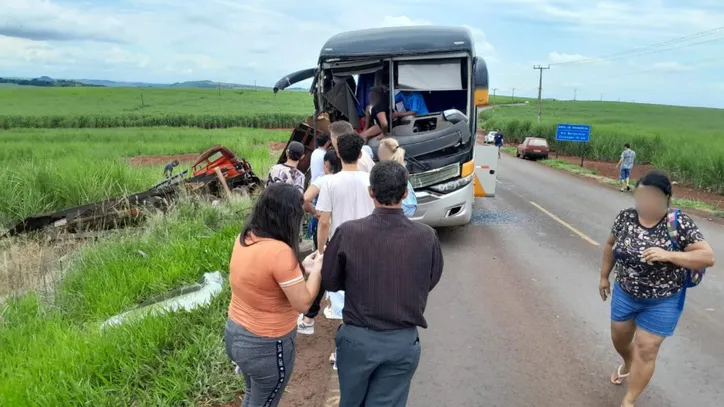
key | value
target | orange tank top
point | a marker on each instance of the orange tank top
(257, 273)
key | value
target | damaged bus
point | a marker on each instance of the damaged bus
(447, 169)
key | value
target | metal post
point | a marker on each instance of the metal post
(583, 151)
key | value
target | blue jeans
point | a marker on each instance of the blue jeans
(312, 224)
(658, 316)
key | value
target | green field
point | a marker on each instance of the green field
(50, 169)
(36, 107)
(54, 353)
(52, 350)
(686, 142)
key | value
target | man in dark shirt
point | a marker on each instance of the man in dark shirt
(387, 266)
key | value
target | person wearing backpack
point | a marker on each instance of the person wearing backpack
(657, 252)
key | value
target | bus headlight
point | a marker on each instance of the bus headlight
(454, 185)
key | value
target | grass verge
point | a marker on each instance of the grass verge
(54, 353)
(589, 173)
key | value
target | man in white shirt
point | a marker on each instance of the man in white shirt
(336, 129)
(316, 164)
(342, 197)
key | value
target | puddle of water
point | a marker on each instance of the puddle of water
(186, 298)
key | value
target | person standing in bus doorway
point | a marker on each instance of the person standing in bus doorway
(626, 163)
(499, 141)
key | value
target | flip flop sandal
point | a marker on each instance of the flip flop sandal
(616, 377)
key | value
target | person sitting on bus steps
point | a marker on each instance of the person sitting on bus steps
(379, 115)
(413, 102)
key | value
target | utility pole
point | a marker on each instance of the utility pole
(575, 90)
(601, 97)
(494, 90)
(513, 94)
(540, 68)
(255, 85)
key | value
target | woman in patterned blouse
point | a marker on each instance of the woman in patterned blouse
(647, 298)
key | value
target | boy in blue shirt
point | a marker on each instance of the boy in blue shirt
(413, 102)
(498, 141)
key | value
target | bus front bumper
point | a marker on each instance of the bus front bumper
(438, 210)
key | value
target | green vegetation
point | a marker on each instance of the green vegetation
(685, 142)
(55, 354)
(45, 170)
(564, 165)
(139, 107)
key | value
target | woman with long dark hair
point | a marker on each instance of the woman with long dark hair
(658, 253)
(268, 291)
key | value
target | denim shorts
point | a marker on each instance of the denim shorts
(658, 316)
(625, 173)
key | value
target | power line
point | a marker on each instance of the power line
(651, 49)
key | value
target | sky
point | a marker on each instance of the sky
(248, 41)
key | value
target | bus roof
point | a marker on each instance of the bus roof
(396, 41)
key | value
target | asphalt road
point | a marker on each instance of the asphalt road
(517, 319)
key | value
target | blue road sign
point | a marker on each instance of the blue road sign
(580, 133)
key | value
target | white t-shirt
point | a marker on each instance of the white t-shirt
(316, 163)
(346, 196)
(365, 162)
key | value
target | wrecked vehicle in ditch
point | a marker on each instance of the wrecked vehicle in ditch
(447, 169)
(235, 172)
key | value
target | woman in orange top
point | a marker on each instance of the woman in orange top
(268, 291)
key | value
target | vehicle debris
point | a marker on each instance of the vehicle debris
(213, 166)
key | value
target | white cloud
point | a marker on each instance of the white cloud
(671, 67)
(45, 20)
(620, 18)
(562, 58)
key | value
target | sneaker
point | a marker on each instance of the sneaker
(333, 360)
(303, 327)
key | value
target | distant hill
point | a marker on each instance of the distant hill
(205, 84)
(44, 81)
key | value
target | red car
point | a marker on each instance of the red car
(533, 147)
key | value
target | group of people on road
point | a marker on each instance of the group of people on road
(379, 266)
(376, 264)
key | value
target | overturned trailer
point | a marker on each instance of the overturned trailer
(447, 169)
(113, 213)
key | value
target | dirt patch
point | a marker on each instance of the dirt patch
(277, 147)
(609, 170)
(152, 160)
(312, 371)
